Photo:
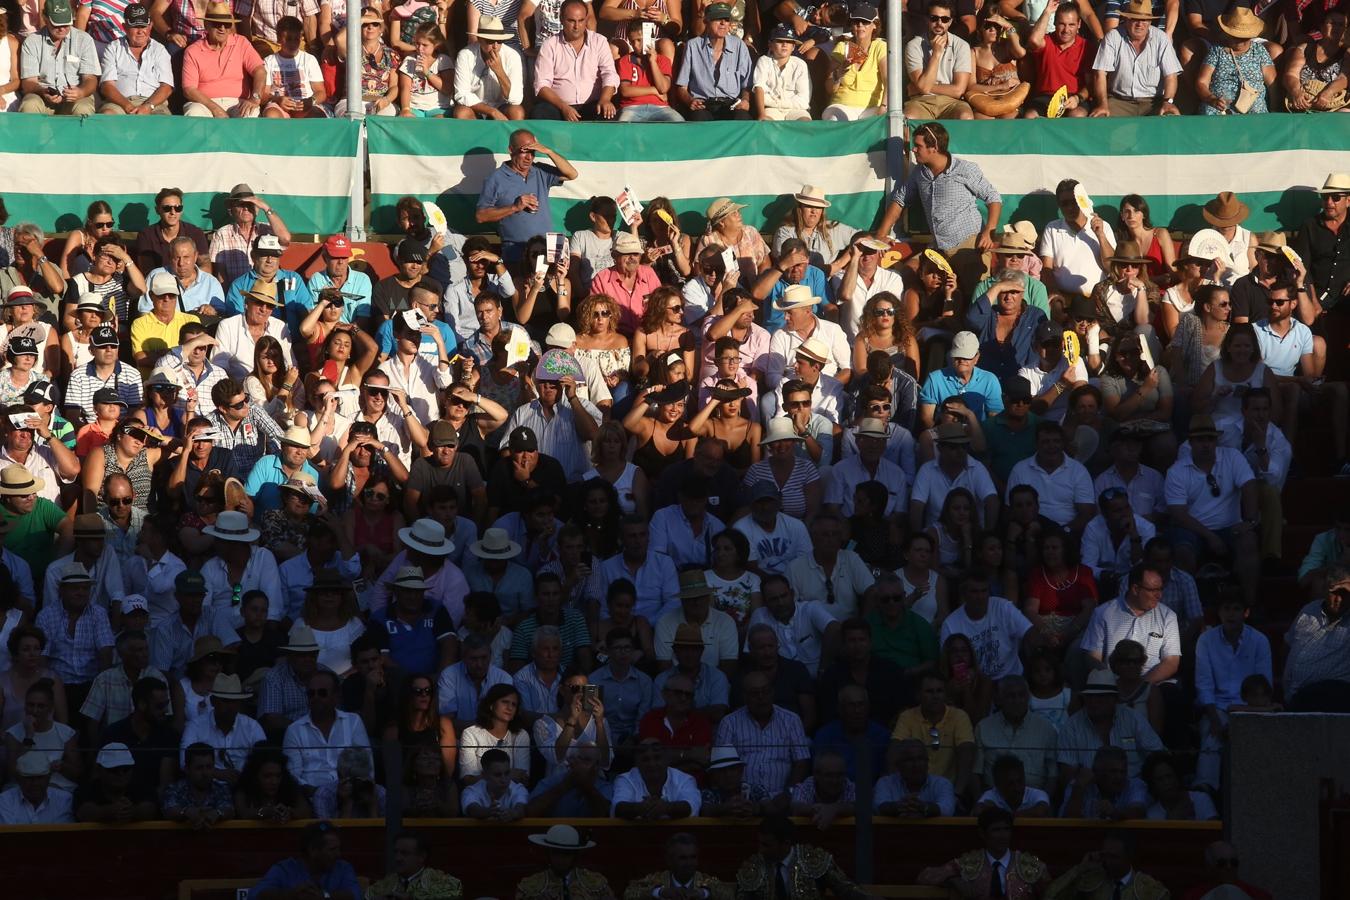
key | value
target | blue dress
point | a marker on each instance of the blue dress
(1226, 81)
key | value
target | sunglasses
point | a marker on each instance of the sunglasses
(934, 739)
(119, 501)
(171, 209)
(602, 314)
(317, 692)
(942, 19)
(878, 406)
(240, 405)
(422, 691)
(884, 311)
(797, 404)
(1213, 483)
(102, 225)
(1336, 196)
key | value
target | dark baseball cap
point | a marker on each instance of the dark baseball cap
(109, 395)
(23, 346)
(190, 581)
(717, 11)
(409, 250)
(103, 336)
(136, 16)
(40, 392)
(523, 439)
(1048, 332)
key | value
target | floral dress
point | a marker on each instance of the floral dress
(733, 597)
(1231, 70)
(375, 74)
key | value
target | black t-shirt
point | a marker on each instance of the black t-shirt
(258, 655)
(1208, 10)
(94, 793)
(389, 297)
(508, 495)
(888, 691)
(462, 475)
(724, 488)
(1249, 298)
(151, 250)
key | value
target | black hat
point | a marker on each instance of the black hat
(40, 392)
(103, 336)
(136, 16)
(22, 346)
(109, 395)
(522, 439)
(409, 250)
(1048, 332)
(1016, 387)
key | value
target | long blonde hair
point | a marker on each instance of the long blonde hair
(587, 308)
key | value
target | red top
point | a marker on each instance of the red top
(1071, 68)
(633, 70)
(695, 732)
(1066, 600)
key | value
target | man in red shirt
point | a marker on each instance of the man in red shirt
(679, 726)
(628, 281)
(644, 79)
(1063, 59)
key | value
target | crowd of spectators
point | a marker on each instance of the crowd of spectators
(655, 525)
(660, 61)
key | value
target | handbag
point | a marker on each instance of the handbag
(1001, 102)
(1311, 89)
(1247, 95)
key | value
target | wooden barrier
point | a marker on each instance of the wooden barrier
(149, 861)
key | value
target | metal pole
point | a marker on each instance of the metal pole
(356, 111)
(863, 833)
(895, 94)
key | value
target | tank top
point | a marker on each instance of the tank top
(623, 485)
(1228, 409)
(653, 462)
(927, 604)
(949, 551)
(138, 472)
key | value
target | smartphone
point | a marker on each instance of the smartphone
(589, 693)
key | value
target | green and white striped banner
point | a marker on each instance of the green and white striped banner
(1175, 163)
(55, 166)
(757, 163)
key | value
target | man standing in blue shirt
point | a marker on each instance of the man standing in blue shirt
(515, 195)
(979, 389)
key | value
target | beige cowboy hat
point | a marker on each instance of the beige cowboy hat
(264, 292)
(810, 195)
(1225, 210)
(1138, 9)
(296, 436)
(1240, 22)
(1017, 239)
(219, 12)
(227, 687)
(17, 481)
(1272, 242)
(1336, 183)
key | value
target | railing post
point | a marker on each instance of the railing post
(356, 111)
(895, 94)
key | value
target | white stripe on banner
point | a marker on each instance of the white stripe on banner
(1181, 175)
(677, 179)
(306, 176)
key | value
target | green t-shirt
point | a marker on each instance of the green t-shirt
(1005, 448)
(911, 643)
(33, 537)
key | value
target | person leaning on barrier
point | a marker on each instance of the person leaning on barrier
(681, 879)
(995, 870)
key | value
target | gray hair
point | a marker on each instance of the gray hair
(354, 762)
(34, 230)
(761, 628)
(543, 632)
(180, 241)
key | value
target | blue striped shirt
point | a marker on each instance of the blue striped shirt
(768, 751)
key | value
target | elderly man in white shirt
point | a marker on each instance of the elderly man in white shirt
(1212, 497)
(782, 84)
(675, 794)
(1062, 484)
(237, 337)
(33, 801)
(137, 72)
(489, 76)
(313, 742)
(800, 325)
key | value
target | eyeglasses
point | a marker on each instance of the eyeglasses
(1336, 196)
(120, 501)
(422, 691)
(734, 358)
(602, 313)
(316, 692)
(884, 311)
(102, 225)
(1213, 483)
(943, 19)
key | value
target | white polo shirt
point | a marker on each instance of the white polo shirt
(1189, 486)
(1074, 256)
(931, 487)
(1145, 489)
(844, 478)
(1059, 491)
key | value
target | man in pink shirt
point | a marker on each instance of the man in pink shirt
(627, 281)
(574, 77)
(222, 75)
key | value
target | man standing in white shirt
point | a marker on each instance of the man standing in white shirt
(313, 742)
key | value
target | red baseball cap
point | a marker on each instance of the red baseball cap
(338, 247)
